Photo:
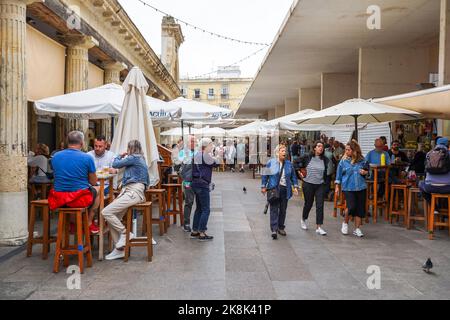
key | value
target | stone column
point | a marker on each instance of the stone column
(77, 66)
(13, 123)
(112, 75)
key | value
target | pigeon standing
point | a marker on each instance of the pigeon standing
(428, 265)
(244, 189)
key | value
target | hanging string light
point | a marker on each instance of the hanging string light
(204, 30)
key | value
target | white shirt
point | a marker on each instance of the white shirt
(283, 175)
(38, 161)
(105, 160)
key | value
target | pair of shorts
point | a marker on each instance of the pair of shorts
(356, 203)
(94, 195)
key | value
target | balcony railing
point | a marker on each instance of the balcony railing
(225, 96)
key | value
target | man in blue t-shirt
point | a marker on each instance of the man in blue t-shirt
(374, 158)
(74, 173)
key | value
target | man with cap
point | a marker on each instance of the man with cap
(437, 182)
(204, 163)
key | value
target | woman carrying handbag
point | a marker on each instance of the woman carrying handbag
(278, 179)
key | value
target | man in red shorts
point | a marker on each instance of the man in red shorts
(75, 184)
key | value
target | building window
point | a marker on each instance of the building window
(196, 93)
(183, 92)
(211, 94)
(225, 93)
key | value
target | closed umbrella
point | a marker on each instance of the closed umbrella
(135, 124)
(358, 110)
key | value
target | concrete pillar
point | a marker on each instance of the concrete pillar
(290, 106)
(390, 71)
(444, 44)
(112, 75)
(13, 123)
(77, 66)
(337, 88)
(309, 98)
(279, 111)
(271, 114)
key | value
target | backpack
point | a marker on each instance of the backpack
(438, 161)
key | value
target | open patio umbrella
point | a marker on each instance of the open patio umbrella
(177, 132)
(211, 132)
(249, 129)
(195, 110)
(100, 103)
(135, 124)
(358, 110)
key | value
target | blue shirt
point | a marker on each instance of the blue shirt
(348, 175)
(136, 169)
(71, 168)
(271, 174)
(374, 157)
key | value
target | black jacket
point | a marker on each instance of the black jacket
(306, 159)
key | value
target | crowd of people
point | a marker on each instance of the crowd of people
(324, 168)
(330, 163)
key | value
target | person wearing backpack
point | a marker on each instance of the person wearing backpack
(186, 157)
(437, 167)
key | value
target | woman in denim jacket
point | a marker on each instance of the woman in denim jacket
(134, 182)
(351, 173)
(270, 177)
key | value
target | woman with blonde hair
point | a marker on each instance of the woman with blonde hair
(278, 178)
(351, 173)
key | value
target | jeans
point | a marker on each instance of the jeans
(189, 197)
(202, 209)
(311, 191)
(428, 189)
(278, 211)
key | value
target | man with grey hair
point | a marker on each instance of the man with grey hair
(75, 179)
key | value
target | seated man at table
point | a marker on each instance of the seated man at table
(102, 157)
(438, 170)
(374, 158)
(74, 173)
(396, 156)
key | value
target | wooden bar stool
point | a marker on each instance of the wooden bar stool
(394, 204)
(159, 194)
(45, 240)
(174, 197)
(339, 203)
(174, 178)
(146, 209)
(40, 188)
(63, 246)
(413, 207)
(442, 213)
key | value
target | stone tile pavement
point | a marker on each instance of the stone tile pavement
(243, 262)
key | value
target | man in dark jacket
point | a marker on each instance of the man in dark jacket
(186, 157)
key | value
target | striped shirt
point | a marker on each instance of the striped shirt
(315, 171)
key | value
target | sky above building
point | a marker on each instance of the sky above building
(201, 54)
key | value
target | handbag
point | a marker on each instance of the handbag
(49, 175)
(273, 195)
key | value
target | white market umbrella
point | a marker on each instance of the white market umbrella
(195, 110)
(249, 129)
(358, 110)
(100, 103)
(135, 124)
(212, 132)
(177, 132)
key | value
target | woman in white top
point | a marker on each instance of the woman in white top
(39, 164)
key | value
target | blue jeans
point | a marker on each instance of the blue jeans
(278, 211)
(202, 210)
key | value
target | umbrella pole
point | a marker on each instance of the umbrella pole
(356, 127)
(112, 128)
(182, 130)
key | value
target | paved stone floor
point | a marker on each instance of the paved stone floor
(243, 262)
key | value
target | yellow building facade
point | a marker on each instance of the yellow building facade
(223, 92)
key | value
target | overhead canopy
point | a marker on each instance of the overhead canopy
(100, 103)
(195, 110)
(176, 132)
(433, 103)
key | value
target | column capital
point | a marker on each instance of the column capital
(114, 66)
(79, 41)
(26, 2)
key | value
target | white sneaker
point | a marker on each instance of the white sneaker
(122, 240)
(344, 229)
(321, 231)
(115, 254)
(303, 224)
(358, 233)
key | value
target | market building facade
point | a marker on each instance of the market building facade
(60, 46)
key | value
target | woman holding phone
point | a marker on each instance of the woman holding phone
(351, 173)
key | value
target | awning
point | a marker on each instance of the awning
(432, 103)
